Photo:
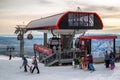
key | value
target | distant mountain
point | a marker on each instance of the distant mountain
(11, 40)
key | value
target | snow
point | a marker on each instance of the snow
(10, 70)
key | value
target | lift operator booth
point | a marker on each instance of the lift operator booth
(97, 45)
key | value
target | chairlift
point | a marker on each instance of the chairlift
(30, 36)
(19, 37)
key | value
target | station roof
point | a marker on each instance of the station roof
(98, 37)
(44, 23)
(67, 20)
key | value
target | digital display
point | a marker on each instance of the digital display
(81, 20)
(99, 46)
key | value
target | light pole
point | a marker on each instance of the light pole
(10, 49)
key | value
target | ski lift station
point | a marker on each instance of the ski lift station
(59, 50)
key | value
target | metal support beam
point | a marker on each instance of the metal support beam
(22, 48)
(45, 39)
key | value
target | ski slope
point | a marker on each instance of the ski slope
(10, 70)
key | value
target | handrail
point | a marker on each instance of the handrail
(50, 59)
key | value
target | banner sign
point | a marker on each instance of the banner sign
(43, 49)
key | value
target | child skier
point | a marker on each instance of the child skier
(90, 63)
(112, 62)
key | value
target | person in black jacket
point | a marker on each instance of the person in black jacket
(107, 59)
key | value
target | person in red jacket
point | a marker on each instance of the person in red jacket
(85, 62)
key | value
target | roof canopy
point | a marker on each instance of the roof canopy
(98, 37)
(67, 20)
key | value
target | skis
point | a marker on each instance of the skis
(30, 69)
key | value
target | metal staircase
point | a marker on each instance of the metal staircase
(59, 58)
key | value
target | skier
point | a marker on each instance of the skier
(112, 62)
(25, 64)
(107, 59)
(112, 54)
(10, 57)
(90, 63)
(35, 65)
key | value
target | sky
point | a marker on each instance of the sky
(21, 12)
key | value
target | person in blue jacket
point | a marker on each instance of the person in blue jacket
(24, 64)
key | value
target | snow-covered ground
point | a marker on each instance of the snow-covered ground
(10, 70)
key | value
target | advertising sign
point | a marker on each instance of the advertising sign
(99, 46)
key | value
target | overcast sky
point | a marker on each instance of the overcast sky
(15, 12)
